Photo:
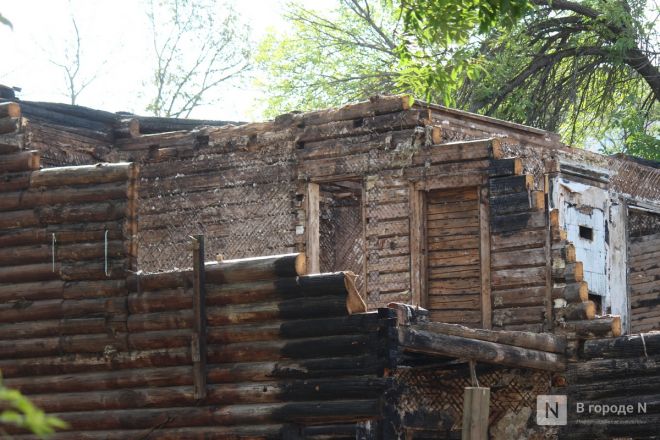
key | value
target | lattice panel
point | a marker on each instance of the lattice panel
(259, 223)
(341, 234)
(441, 391)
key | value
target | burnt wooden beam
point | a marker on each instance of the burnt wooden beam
(643, 344)
(415, 339)
(535, 341)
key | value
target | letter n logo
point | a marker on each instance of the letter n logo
(551, 409)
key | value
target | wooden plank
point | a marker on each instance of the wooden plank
(451, 180)
(484, 253)
(476, 405)
(417, 247)
(312, 249)
(198, 348)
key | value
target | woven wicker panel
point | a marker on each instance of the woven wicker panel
(341, 231)
(442, 391)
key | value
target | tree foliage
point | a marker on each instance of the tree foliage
(330, 57)
(572, 67)
(18, 411)
(198, 45)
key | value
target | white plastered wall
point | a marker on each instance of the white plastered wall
(604, 256)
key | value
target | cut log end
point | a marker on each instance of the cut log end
(10, 109)
(354, 302)
(301, 264)
(616, 326)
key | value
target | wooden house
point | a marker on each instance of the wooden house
(544, 254)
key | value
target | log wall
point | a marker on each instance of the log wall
(614, 372)
(283, 356)
(246, 187)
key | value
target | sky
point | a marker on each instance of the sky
(116, 49)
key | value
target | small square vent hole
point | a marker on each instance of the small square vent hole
(586, 232)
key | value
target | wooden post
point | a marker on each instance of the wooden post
(417, 246)
(476, 402)
(312, 229)
(198, 346)
(484, 254)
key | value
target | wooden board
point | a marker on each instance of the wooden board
(453, 269)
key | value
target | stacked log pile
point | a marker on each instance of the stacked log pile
(574, 313)
(282, 352)
(613, 373)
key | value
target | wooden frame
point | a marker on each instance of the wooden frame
(484, 256)
(418, 251)
(312, 234)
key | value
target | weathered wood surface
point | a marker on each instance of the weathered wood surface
(543, 342)
(422, 341)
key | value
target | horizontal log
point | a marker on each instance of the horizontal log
(375, 106)
(21, 161)
(517, 222)
(95, 193)
(69, 233)
(645, 344)
(61, 215)
(592, 328)
(330, 346)
(83, 175)
(564, 251)
(56, 308)
(66, 326)
(505, 317)
(421, 341)
(571, 273)
(10, 110)
(252, 269)
(224, 394)
(543, 342)
(58, 289)
(505, 167)
(510, 184)
(53, 113)
(608, 369)
(107, 380)
(294, 329)
(75, 344)
(577, 311)
(85, 362)
(517, 258)
(302, 412)
(519, 297)
(517, 202)
(572, 292)
(9, 125)
(66, 252)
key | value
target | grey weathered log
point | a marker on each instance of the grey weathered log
(536, 341)
(422, 341)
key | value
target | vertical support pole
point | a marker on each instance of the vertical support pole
(484, 257)
(418, 248)
(549, 319)
(312, 230)
(476, 402)
(198, 345)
